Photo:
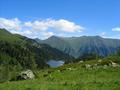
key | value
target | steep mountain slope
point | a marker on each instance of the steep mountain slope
(26, 53)
(77, 46)
(7, 36)
(57, 42)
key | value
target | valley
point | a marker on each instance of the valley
(59, 44)
(27, 64)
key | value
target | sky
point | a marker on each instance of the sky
(67, 18)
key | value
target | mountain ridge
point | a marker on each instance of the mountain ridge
(26, 52)
(76, 46)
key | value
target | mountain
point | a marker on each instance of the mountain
(17, 50)
(77, 46)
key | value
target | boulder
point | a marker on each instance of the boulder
(95, 66)
(81, 61)
(105, 66)
(69, 69)
(113, 64)
(26, 75)
(99, 60)
(87, 66)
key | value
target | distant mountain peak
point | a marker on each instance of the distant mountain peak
(76, 46)
(54, 36)
(37, 39)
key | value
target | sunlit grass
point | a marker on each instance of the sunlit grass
(77, 79)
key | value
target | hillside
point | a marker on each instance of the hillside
(18, 52)
(73, 77)
(77, 46)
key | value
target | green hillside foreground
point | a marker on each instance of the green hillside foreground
(71, 77)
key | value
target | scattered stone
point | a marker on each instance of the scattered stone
(58, 70)
(99, 60)
(26, 75)
(105, 66)
(113, 64)
(69, 69)
(81, 61)
(94, 66)
(87, 66)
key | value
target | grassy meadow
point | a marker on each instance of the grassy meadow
(71, 77)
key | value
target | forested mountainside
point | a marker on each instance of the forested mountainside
(26, 53)
(77, 46)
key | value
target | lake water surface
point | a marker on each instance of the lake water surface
(55, 63)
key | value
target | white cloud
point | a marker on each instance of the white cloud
(40, 28)
(116, 29)
(61, 25)
(29, 24)
(103, 34)
(37, 25)
(66, 26)
(10, 24)
(112, 37)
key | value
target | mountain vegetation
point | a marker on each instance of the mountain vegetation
(18, 52)
(90, 70)
(77, 46)
(75, 76)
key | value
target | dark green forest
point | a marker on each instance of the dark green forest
(19, 53)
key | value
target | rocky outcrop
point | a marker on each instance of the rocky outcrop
(113, 64)
(26, 75)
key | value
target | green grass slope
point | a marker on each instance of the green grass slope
(78, 78)
(7, 36)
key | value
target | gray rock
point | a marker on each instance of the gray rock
(113, 64)
(99, 60)
(26, 75)
(81, 61)
(87, 66)
(105, 67)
